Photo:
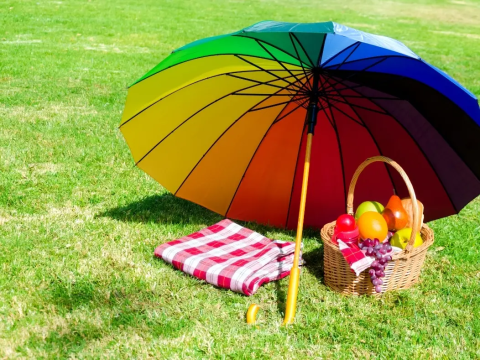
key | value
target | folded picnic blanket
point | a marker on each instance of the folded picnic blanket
(230, 256)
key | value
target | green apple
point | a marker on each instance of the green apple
(401, 237)
(368, 206)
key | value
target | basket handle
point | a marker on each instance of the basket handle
(403, 174)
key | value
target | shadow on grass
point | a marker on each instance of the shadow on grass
(164, 208)
(168, 209)
(314, 262)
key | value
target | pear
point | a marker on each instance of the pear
(407, 205)
(394, 214)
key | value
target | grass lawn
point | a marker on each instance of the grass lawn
(78, 223)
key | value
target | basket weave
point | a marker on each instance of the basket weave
(400, 273)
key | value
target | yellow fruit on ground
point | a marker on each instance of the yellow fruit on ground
(371, 225)
(401, 237)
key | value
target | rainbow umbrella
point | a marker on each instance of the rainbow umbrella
(228, 121)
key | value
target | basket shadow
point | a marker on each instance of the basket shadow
(314, 262)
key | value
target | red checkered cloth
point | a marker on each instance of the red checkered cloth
(230, 256)
(356, 258)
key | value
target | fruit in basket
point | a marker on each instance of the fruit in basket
(407, 205)
(368, 206)
(401, 238)
(394, 214)
(345, 222)
(378, 266)
(371, 224)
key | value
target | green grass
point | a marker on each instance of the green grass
(78, 223)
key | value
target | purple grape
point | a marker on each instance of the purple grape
(382, 251)
(368, 242)
(388, 247)
(360, 245)
(378, 289)
(388, 258)
(375, 282)
(374, 265)
(378, 255)
(371, 272)
(383, 261)
(369, 252)
(378, 273)
(389, 235)
(382, 274)
(376, 242)
(379, 282)
(377, 247)
(380, 267)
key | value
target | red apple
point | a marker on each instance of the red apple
(346, 222)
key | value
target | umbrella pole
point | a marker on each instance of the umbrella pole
(295, 272)
(311, 120)
(290, 308)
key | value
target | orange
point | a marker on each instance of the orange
(371, 225)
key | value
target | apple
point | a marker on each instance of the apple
(345, 222)
(368, 206)
(401, 237)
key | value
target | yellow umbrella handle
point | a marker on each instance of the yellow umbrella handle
(295, 272)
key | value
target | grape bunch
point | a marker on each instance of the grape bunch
(380, 251)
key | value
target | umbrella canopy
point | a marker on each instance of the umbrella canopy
(221, 122)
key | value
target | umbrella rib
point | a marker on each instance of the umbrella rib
(251, 159)
(291, 111)
(344, 88)
(202, 57)
(191, 116)
(221, 135)
(330, 67)
(335, 128)
(320, 54)
(281, 64)
(269, 106)
(298, 56)
(261, 82)
(301, 45)
(339, 53)
(375, 142)
(256, 94)
(369, 97)
(355, 73)
(190, 84)
(294, 173)
(272, 45)
(361, 107)
(267, 71)
(344, 113)
(345, 60)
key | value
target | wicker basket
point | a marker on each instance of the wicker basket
(400, 273)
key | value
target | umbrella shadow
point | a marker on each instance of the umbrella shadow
(168, 209)
(164, 208)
